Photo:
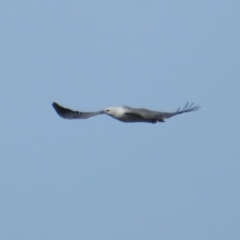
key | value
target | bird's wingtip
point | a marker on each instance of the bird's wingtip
(55, 105)
(57, 108)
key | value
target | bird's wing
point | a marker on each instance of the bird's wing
(160, 116)
(70, 114)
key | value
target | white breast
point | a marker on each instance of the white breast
(118, 112)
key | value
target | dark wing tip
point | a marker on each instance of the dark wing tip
(55, 105)
(61, 111)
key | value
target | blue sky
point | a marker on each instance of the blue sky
(100, 178)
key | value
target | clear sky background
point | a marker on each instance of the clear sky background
(101, 179)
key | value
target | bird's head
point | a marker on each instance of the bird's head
(110, 111)
(113, 111)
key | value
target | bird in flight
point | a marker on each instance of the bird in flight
(125, 114)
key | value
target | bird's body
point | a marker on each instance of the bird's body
(124, 114)
(127, 114)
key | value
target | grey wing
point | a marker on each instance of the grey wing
(160, 116)
(70, 114)
(188, 108)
